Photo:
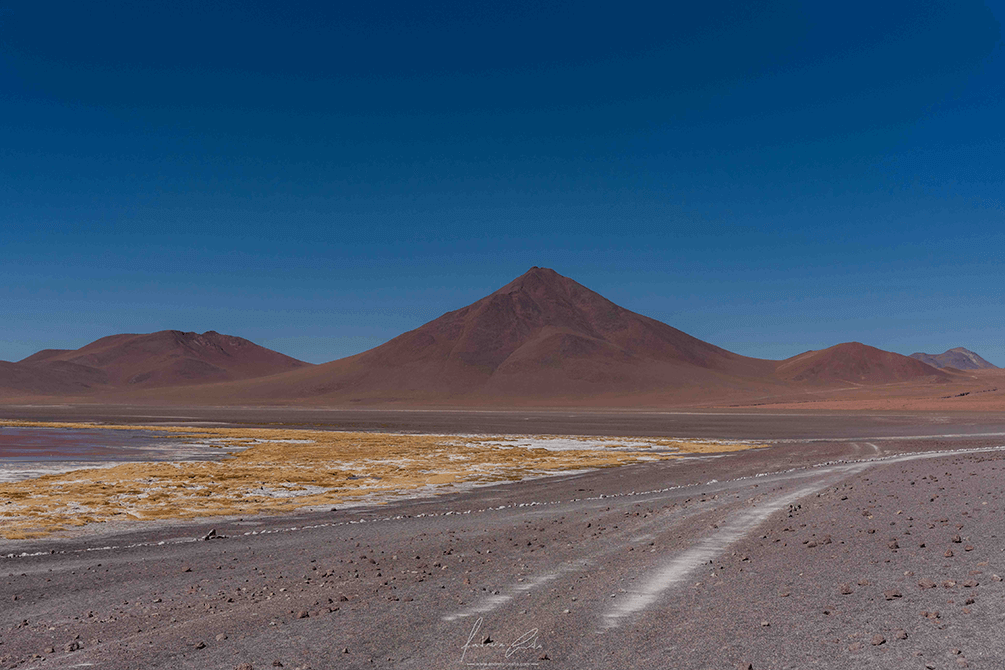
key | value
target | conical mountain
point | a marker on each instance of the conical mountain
(542, 335)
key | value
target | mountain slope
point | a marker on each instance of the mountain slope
(959, 358)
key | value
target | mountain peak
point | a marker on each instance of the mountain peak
(537, 278)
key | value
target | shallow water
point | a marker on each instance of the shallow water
(32, 452)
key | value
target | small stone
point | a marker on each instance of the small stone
(893, 544)
(244, 666)
(544, 657)
(949, 553)
(969, 601)
(890, 594)
(303, 614)
(957, 539)
(926, 583)
(783, 594)
(221, 637)
(878, 639)
(845, 589)
(855, 646)
(948, 584)
(863, 582)
(971, 583)
(71, 646)
(345, 650)
(186, 569)
(962, 662)
(199, 645)
(745, 666)
(969, 547)
(277, 663)
(765, 623)
(900, 634)
(997, 578)
(50, 650)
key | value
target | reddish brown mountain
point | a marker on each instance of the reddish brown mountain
(856, 363)
(165, 358)
(541, 336)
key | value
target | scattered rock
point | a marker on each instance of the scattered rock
(997, 578)
(926, 583)
(949, 553)
(745, 666)
(303, 614)
(277, 663)
(971, 583)
(50, 650)
(221, 637)
(969, 547)
(855, 646)
(544, 657)
(878, 639)
(186, 569)
(863, 582)
(71, 646)
(199, 645)
(948, 584)
(345, 650)
(957, 539)
(845, 589)
(890, 594)
(893, 544)
(900, 634)
(244, 666)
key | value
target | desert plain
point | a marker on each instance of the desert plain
(837, 540)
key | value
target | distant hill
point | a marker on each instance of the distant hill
(959, 358)
(856, 363)
(161, 359)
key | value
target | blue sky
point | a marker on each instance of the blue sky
(322, 177)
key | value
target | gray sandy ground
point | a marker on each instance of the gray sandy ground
(871, 551)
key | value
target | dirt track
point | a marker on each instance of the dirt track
(808, 541)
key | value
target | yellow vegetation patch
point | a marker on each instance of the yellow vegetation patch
(274, 470)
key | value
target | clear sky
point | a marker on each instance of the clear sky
(320, 177)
